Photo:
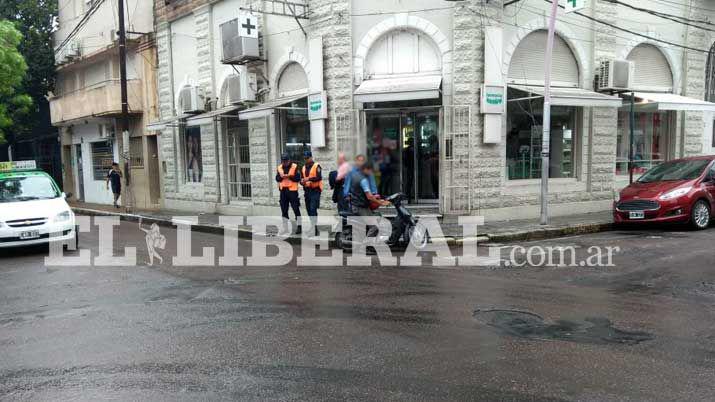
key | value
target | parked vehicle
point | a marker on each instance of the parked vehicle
(679, 191)
(406, 229)
(33, 210)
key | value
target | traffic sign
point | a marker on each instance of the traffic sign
(574, 5)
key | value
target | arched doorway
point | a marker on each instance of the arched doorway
(293, 121)
(401, 96)
(524, 123)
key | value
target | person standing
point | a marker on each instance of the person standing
(312, 181)
(337, 182)
(288, 177)
(114, 178)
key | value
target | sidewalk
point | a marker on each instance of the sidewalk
(491, 231)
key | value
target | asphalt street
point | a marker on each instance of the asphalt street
(641, 330)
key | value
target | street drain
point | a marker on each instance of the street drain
(592, 330)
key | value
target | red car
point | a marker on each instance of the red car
(679, 191)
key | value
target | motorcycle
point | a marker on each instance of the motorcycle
(406, 228)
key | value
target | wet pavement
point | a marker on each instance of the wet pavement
(642, 330)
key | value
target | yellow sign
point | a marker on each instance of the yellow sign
(17, 165)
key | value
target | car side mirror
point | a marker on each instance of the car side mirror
(66, 195)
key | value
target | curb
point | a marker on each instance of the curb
(527, 235)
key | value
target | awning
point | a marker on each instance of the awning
(208, 118)
(398, 89)
(266, 109)
(573, 96)
(664, 102)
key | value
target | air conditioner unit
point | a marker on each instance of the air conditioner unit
(616, 75)
(190, 101)
(74, 51)
(242, 88)
(240, 41)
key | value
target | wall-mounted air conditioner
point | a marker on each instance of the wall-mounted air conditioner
(241, 88)
(239, 39)
(190, 100)
(616, 75)
(74, 50)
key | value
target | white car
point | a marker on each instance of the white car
(33, 210)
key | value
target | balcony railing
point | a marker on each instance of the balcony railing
(99, 100)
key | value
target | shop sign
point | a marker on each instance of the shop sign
(574, 5)
(492, 99)
(318, 106)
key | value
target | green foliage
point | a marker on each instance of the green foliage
(12, 74)
(34, 19)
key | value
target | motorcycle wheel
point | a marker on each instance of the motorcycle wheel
(417, 236)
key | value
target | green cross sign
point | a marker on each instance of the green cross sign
(574, 5)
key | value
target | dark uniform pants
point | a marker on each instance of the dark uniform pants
(290, 199)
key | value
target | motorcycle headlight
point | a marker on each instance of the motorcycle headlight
(673, 194)
(63, 217)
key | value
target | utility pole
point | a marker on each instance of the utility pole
(124, 119)
(546, 137)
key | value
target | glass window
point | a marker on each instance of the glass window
(239, 160)
(14, 189)
(649, 141)
(524, 134)
(675, 171)
(296, 129)
(136, 152)
(102, 159)
(194, 163)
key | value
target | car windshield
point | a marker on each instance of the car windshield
(14, 189)
(675, 171)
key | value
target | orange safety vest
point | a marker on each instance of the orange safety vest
(313, 173)
(287, 182)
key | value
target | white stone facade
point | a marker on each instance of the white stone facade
(349, 29)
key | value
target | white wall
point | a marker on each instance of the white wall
(183, 52)
(95, 34)
(223, 12)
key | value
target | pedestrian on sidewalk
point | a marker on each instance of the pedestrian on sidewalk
(337, 182)
(288, 177)
(114, 177)
(312, 181)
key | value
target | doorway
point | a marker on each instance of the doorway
(404, 146)
(80, 172)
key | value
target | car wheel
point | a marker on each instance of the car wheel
(700, 215)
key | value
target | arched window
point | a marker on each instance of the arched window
(293, 81)
(527, 62)
(403, 52)
(652, 70)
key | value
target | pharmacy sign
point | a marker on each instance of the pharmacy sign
(574, 5)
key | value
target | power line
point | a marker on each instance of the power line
(674, 4)
(670, 17)
(649, 37)
(80, 24)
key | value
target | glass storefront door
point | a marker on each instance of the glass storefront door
(404, 146)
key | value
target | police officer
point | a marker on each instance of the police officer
(288, 177)
(312, 181)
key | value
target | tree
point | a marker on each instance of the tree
(35, 19)
(13, 103)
